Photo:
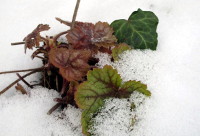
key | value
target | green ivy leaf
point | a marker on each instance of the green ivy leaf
(139, 30)
(103, 84)
(119, 49)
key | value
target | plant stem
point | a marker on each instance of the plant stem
(63, 21)
(25, 82)
(75, 13)
(17, 43)
(16, 81)
(53, 108)
(64, 86)
(25, 70)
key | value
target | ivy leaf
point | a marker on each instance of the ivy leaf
(72, 64)
(102, 84)
(119, 49)
(33, 39)
(139, 30)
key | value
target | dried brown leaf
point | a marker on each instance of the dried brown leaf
(20, 88)
(72, 64)
(33, 39)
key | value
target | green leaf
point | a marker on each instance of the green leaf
(131, 86)
(139, 30)
(102, 84)
(119, 49)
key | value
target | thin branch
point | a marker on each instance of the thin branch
(25, 70)
(54, 108)
(25, 82)
(64, 22)
(75, 13)
(17, 43)
(16, 81)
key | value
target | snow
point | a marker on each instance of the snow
(26, 115)
(171, 72)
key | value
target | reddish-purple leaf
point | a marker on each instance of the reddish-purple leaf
(72, 64)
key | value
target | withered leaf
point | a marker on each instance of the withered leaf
(33, 39)
(20, 88)
(72, 64)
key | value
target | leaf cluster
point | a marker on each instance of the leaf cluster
(69, 67)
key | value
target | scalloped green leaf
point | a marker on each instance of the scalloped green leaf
(119, 49)
(139, 30)
(102, 84)
(131, 86)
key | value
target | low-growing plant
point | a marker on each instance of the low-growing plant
(69, 67)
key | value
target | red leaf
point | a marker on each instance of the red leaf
(90, 36)
(103, 35)
(72, 64)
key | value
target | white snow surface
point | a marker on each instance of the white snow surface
(172, 72)
(26, 115)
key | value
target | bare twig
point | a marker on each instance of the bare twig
(54, 108)
(25, 70)
(25, 82)
(17, 43)
(64, 22)
(75, 13)
(16, 81)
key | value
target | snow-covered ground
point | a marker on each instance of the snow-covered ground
(172, 73)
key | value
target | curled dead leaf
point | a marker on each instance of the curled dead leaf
(33, 39)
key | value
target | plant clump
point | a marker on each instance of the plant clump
(69, 67)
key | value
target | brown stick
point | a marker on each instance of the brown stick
(25, 70)
(63, 21)
(75, 13)
(16, 81)
(25, 82)
(17, 43)
(53, 108)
